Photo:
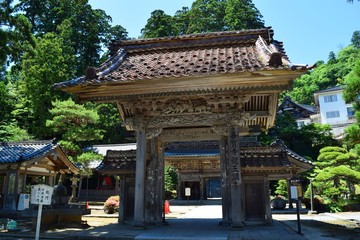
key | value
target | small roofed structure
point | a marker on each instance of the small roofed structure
(27, 163)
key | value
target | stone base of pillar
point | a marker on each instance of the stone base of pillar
(237, 225)
(139, 225)
(225, 223)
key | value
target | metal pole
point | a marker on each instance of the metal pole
(298, 215)
(37, 235)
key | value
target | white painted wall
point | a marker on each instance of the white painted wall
(337, 106)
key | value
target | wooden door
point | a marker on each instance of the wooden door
(254, 202)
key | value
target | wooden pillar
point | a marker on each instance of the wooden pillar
(122, 200)
(139, 207)
(235, 177)
(225, 193)
(154, 184)
(201, 186)
(159, 182)
(179, 187)
(289, 194)
(268, 215)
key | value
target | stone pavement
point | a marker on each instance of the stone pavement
(198, 222)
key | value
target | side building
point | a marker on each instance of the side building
(330, 108)
(334, 110)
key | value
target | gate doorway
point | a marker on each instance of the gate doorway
(254, 201)
(194, 190)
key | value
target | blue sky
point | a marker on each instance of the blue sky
(309, 29)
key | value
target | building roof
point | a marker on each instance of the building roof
(118, 161)
(14, 152)
(31, 152)
(251, 156)
(332, 89)
(296, 110)
(326, 91)
(205, 54)
(103, 148)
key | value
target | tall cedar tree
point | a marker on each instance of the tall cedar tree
(204, 16)
(91, 28)
(15, 34)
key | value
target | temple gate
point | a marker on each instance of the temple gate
(213, 86)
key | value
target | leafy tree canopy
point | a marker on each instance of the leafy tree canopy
(159, 25)
(91, 29)
(75, 125)
(47, 64)
(15, 34)
(325, 75)
(204, 16)
(337, 171)
(306, 141)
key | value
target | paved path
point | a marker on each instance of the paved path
(202, 222)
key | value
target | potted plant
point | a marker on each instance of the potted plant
(111, 205)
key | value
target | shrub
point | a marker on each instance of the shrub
(279, 202)
(112, 204)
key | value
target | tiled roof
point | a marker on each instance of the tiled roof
(118, 161)
(289, 105)
(189, 55)
(290, 153)
(14, 152)
(276, 155)
(28, 153)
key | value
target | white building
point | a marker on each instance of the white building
(333, 110)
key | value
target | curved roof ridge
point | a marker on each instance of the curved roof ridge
(163, 42)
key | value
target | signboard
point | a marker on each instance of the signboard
(294, 192)
(295, 188)
(187, 192)
(41, 194)
(24, 200)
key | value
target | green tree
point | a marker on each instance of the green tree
(355, 39)
(351, 94)
(242, 14)
(47, 64)
(207, 16)
(171, 179)
(336, 173)
(15, 34)
(111, 123)
(306, 141)
(182, 20)
(281, 188)
(91, 28)
(75, 125)
(159, 25)
(6, 105)
(204, 16)
(325, 75)
(84, 159)
(11, 132)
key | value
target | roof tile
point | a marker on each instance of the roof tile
(13, 152)
(188, 55)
